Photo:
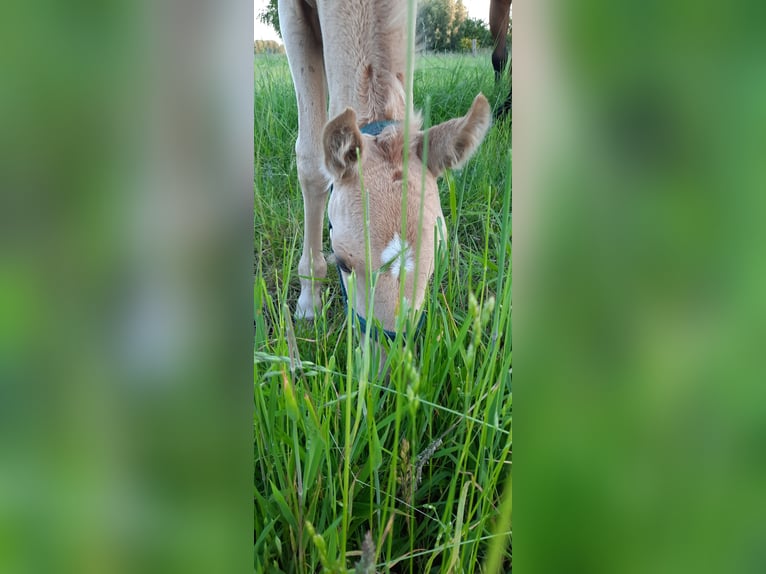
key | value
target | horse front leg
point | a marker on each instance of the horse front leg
(303, 45)
(499, 17)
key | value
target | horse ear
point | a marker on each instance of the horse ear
(341, 138)
(452, 143)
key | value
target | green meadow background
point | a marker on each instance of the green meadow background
(354, 472)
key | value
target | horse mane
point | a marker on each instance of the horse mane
(380, 42)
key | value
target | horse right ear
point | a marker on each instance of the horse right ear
(452, 143)
(341, 139)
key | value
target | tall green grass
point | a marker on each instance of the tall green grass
(410, 473)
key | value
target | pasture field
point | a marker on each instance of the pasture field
(355, 473)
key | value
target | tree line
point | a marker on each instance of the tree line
(268, 47)
(442, 26)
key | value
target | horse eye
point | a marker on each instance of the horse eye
(342, 265)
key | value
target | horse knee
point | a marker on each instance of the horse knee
(311, 176)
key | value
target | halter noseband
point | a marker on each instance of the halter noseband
(372, 129)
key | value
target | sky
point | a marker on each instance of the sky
(476, 9)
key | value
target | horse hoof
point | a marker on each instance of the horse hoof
(304, 310)
(502, 111)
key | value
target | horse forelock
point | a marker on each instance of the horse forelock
(390, 143)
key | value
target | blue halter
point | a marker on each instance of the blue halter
(373, 129)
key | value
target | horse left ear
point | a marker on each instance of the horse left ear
(452, 143)
(341, 139)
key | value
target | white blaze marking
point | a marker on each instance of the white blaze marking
(393, 254)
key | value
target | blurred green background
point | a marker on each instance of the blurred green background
(640, 314)
(125, 286)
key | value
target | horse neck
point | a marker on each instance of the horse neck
(366, 58)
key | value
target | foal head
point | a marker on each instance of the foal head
(401, 261)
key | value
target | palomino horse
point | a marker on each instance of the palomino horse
(355, 52)
(499, 16)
